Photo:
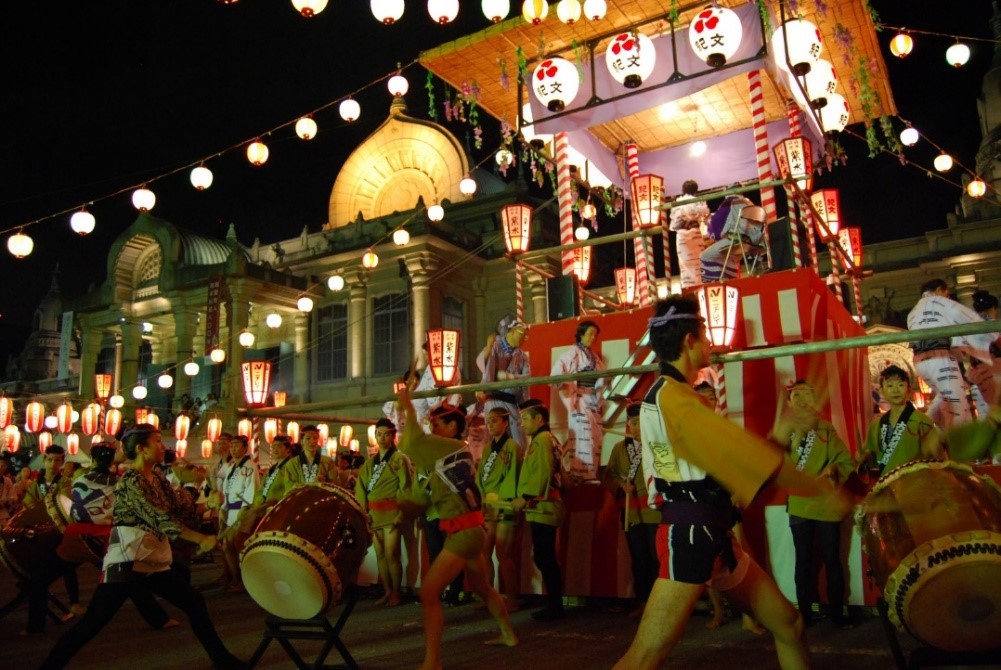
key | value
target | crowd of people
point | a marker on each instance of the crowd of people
(468, 482)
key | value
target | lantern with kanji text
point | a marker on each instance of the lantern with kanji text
(102, 386)
(34, 416)
(64, 417)
(279, 398)
(582, 264)
(827, 208)
(718, 305)
(796, 46)
(245, 427)
(555, 83)
(647, 191)
(256, 382)
(516, 222)
(142, 415)
(851, 241)
(630, 58)
(625, 286)
(715, 35)
(794, 157)
(443, 354)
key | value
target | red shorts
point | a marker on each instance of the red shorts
(694, 555)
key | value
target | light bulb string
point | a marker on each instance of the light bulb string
(958, 38)
(939, 148)
(204, 159)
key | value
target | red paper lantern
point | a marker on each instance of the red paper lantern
(182, 425)
(64, 417)
(181, 448)
(443, 354)
(827, 208)
(280, 397)
(44, 440)
(851, 241)
(213, 429)
(344, 439)
(12, 438)
(153, 420)
(270, 430)
(245, 428)
(142, 415)
(113, 421)
(90, 419)
(72, 444)
(6, 411)
(206, 448)
(324, 430)
(34, 416)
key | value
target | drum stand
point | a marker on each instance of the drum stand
(317, 628)
(924, 657)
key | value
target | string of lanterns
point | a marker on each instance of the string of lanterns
(956, 55)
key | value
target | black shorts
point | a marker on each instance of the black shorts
(694, 555)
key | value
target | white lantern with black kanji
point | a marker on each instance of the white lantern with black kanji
(443, 354)
(630, 58)
(804, 46)
(555, 83)
(625, 286)
(834, 116)
(820, 82)
(827, 206)
(718, 305)
(715, 35)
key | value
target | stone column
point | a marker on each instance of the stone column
(301, 368)
(130, 344)
(238, 313)
(357, 318)
(185, 327)
(421, 267)
(480, 328)
(116, 382)
(537, 289)
(90, 349)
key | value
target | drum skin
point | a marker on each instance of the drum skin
(932, 532)
(304, 550)
(28, 542)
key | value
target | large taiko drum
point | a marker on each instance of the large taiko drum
(932, 532)
(81, 542)
(305, 550)
(28, 542)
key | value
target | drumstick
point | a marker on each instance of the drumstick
(626, 524)
(494, 500)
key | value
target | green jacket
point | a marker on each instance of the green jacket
(503, 476)
(909, 447)
(974, 441)
(828, 448)
(538, 481)
(425, 451)
(616, 472)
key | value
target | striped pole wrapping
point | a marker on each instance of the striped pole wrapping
(857, 288)
(519, 295)
(565, 199)
(795, 130)
(640, 250)
(835, 272)
(720, 390)
(762, 150)
(797, 253)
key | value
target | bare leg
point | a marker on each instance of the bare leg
(759, 595)
(444, 569)
(476, 574)
(488, 552)
(667, 611)
(719, 614)
(408, 532)
(506, 533)
(394, 567)
(380, 559)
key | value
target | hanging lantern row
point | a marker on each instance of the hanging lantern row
(956, 55)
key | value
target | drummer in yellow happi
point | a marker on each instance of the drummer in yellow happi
(378, 488)
(457, 500)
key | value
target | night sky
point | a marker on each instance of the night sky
(102, 94)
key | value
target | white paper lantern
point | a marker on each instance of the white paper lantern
(309, 8)
(246, 339)
(401, 237)
(369, 260)
(305, 304)
(595, 9)
(116, 401)
(496, 10)
(569, 11)
(191, 368)
(387, 11)
(820, 82)
(835, 114)
(715, 35)
(467, 186)
(957, 55)
(443, 11)
(503, 157)
(139, 392)
(82, 222)
(305, 128)
(581, 233)
(257, 153)
(273, 320)
(630, 58)
(335, 283)
(398, 85)
(201, 177)
(555, 83)
(976, 188)
(436, 213)
(909, 136)
(943, 162)
(143, 199)
(535, 11)
(901, 45)
(217, 355)
(20, 245)
(165, 381)
(349, 110)
(803, 40)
